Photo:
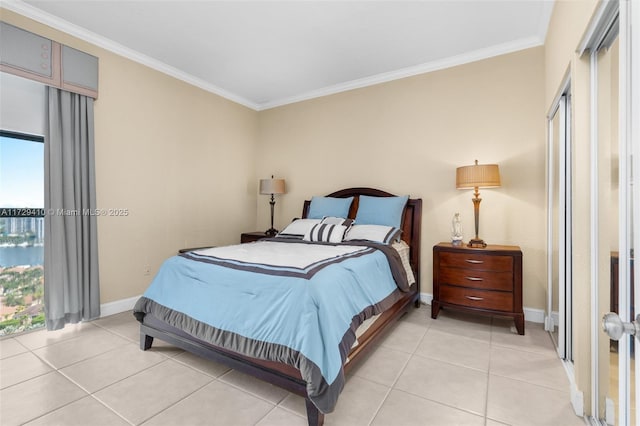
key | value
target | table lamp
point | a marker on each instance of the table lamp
(477, 176)
(272, 187)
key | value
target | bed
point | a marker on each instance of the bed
(303, 326)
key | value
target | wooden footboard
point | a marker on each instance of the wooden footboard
(281, 375)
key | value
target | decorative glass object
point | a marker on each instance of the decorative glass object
(456, 230)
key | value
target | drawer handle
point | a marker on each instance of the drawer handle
(476, 298)
(474, 278)
(474, 261)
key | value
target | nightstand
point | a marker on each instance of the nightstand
(249, 237)
(480, 280)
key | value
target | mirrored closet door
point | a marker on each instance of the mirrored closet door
(615, 150)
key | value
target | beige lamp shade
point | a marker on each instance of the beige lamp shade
(478, 176)
(272, 186)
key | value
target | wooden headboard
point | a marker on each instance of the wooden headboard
(411, 221)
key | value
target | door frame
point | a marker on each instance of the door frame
(561, 105)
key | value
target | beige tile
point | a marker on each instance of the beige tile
(33, 398)
(458, 323)
(129, 331)
(11, 347)
(295, 404)
(40, 338)
(20, 368)
(204, 365)
(281, 417)
(103, 370)
(490, 422)
(215, 404)
(143, 395)
(164, 348)
(520, 403)
(382, 365)
(80, 348)
(537, 368)
(403, 336)
(449, 384)
(115, 319)
(535, 339)
(86, 411)
(450, 315)
(123, 324)
(358, 403)
(256, 387)
(420, 316)
(454, 349)
(505, 325)
(403, 409)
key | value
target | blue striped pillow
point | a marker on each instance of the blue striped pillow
(325, 232)
(331, 220)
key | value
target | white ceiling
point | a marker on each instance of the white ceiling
(266, 53)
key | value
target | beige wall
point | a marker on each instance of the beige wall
(408, 136)
(180, 159)
(568, 23)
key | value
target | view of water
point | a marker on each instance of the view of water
(12, 256)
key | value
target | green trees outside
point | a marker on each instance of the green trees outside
(14, 299)
(23, 289)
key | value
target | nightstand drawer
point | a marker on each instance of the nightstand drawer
(481, 262)
(473, 298)
(477, 279)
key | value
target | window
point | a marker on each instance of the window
(21, 232)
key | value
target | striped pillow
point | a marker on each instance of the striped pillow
(298, 228)
(332, 220)
(326, 233)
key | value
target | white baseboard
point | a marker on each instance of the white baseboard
(610, 411)
(530, 314)
(533, 315)
(118, 306)
(426, 298)
(577, 401)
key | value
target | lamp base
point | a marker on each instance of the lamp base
(271, 232)
(477, 243)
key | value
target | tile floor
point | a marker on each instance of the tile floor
(456, 370)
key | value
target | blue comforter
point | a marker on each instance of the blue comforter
(251, 300)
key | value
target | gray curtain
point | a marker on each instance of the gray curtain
(71, 287)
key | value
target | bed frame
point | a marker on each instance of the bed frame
(285, 376)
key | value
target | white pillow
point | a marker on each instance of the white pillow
(298, 228)
(377, 233)
(326, 233)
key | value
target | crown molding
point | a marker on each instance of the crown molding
(57, 23)
(452, 61)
